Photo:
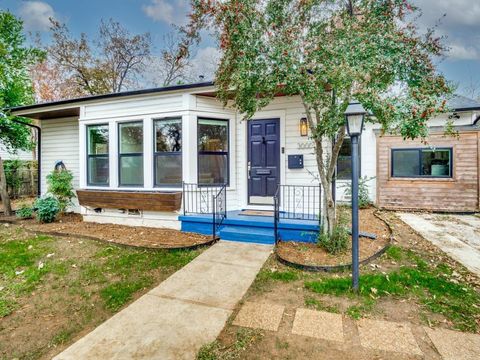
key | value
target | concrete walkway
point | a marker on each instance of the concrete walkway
(186, 311)
(457, 235)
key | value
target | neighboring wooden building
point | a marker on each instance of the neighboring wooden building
(444, 178)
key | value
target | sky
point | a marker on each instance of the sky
(458, 21)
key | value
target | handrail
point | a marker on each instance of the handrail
(219, 206)
(197, 199)
(276, 214)
(296, 202)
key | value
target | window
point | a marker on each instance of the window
(130, 153)
(344, 161)
(422, 162)
(212, 152)
(168, 152)
(97, 155)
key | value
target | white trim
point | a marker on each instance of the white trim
(230, 117)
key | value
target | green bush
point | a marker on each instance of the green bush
(60, 185)
(47, 209)
(338, 241)
(363, 194)
(13, 176)
(25, 212)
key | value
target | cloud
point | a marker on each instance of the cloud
(205, 63)
(460, 25)
(168, 11)
(36, 15)
(462, 52)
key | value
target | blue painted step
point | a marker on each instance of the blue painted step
(247, 234)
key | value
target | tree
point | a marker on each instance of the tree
(15, 89)
(328, 52)
(111, 63)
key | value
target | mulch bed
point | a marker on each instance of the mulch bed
(136, 236)
(309, 256)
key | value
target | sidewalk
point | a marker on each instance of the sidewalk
(186, 311)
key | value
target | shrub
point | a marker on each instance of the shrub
(363, 194)
(338, 241)
(25, 212)
(60, 185)
(13, 176)
(47, 209)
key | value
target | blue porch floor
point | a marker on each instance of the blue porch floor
(255, 229)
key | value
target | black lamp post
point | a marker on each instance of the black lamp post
(354, 116)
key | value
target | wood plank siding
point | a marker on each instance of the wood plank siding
(458, 193)
(153, 201)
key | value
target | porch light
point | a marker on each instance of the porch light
(303, 127)
(355, 115)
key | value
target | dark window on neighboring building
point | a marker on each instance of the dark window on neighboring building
(344, 161)
(168, 152)
(422, 162)
(212, 152)
(130, 157)
(97, 155)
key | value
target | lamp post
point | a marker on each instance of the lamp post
(354, 116)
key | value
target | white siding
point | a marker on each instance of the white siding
(19, 155)
(134, 106)
(60, 142)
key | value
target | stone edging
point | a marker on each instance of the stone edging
(140, 247)
(340, 267)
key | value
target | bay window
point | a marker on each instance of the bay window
(130, 155)
(424, 162)
(97, 155)
(213, 150)
(168, 152)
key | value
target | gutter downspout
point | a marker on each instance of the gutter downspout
(39, 153)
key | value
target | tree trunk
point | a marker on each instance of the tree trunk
(7, 207)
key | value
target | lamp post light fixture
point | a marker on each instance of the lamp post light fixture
(354, 117)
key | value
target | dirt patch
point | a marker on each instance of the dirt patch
(137, 236)
(313, 255)
(81, 284)
(283, 285)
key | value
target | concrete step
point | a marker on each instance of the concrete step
(247, 234)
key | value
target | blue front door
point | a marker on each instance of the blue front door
(263, 160)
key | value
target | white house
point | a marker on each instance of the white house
(157, 157)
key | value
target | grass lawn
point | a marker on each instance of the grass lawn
(414, 282)
(54, 290)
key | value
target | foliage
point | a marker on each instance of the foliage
(47, 209)
(244, 339)
(20, 254)
(363, 194)
(110, 63)
(338, 241)
(328, 54)
(433, 286)
(119, 293)
(12, 175)
(15, 89)
(60, 185)
(15, 83)
(24, 212)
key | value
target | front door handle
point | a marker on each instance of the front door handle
(249, 166)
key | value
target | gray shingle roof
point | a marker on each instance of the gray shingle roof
(460, 102)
